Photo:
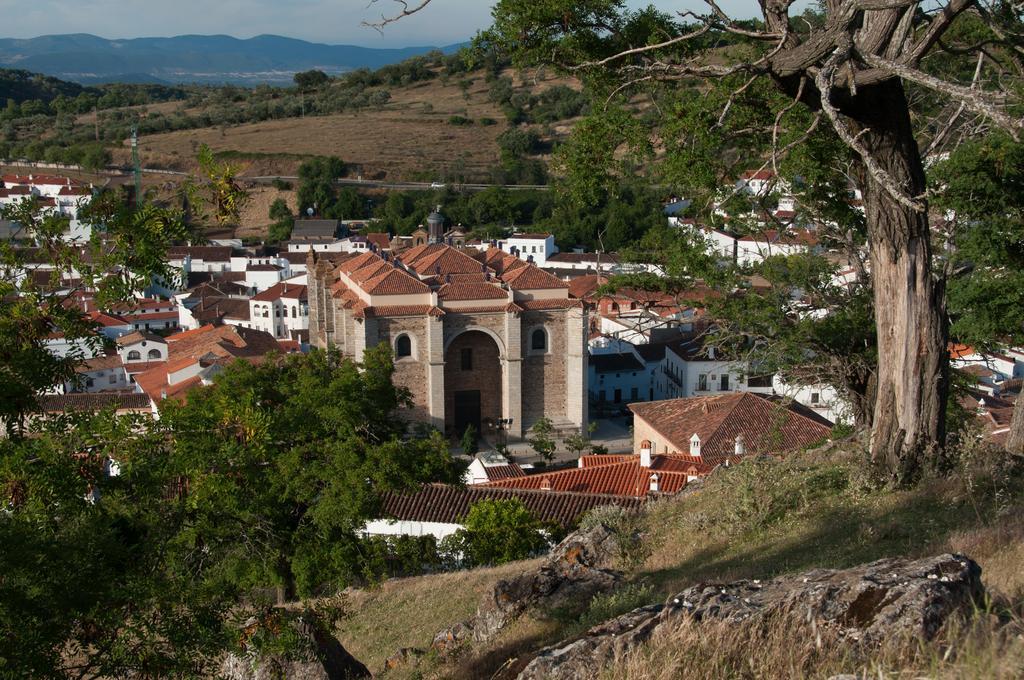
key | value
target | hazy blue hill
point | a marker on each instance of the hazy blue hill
(190, 58)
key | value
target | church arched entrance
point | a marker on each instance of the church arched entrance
(472, 383)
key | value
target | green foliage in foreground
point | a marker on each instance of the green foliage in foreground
(262, 480)
(496, 532)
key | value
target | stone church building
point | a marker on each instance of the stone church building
(476, 336)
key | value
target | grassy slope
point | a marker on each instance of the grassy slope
(757, 520)
(400, 141)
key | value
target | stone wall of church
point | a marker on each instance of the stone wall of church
(410, 372)
(483, 375)
(544, 373)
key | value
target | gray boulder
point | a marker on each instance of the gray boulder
(866, 605)
(318, 656)
(571, 575)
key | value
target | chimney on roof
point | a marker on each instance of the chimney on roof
(654, 483)
(545, 484)
(741, 445)
(695, 445)
(645, 453)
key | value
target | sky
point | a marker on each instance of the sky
(443, 22)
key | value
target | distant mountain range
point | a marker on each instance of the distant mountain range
(89, 59)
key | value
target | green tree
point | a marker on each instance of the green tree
(470, 444)
(980, 187)
(496, 532)
(839, 81)
(225, 193)
(286, 461)
(281, 229)
(317, 188)
(542, 440)
(95, 583)
(308, 81)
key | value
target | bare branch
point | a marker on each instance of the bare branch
(404, 12)
(824, 82)
(944, 131)
(973, 99)
(938, 26)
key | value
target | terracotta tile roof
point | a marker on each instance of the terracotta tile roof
(412, 254)
(627, 479)
(690, 465)
(471, 291)
(556, 303)
(370, 270)
(213, 309)
(758, 174)
(222, 341)
(351, 264)
(282, 289)
(205, 253)
(379, 239)
(155, 316)
(958, 350)
(139, 336)
(593, 460)
(767, 425)
(584, 286)
(532, 277)
(401, 310)
(450, 504)
(107, 320)
(395, 282)
(100, 363)
(93, 401)
(441, 260)
(511, 307)
(135, 367)
(496, 472)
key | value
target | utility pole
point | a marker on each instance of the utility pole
(136, 169)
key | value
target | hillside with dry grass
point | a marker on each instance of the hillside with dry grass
(411, 137)
(757, 520)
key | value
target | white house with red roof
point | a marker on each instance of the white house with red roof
(281, 310)
(714, 428)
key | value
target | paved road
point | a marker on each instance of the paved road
(403, 186)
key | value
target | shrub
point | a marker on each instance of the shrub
(459, 120)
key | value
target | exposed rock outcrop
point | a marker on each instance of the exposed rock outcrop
(868, 604)
(318, 656)
(404, 657)
(573, 573)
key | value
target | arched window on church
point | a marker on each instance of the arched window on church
(403, 346)
(539, 340)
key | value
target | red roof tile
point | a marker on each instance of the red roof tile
(626, 479)
(282, 289)
(767, 425)
(451, 504)
(532, 277)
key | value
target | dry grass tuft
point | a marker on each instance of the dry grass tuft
(787, 646)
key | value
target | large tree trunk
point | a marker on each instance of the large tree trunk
(910, 313)
(1015, 439)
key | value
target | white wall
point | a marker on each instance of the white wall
(385, 527)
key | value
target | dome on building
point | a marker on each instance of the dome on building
(435, 225)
